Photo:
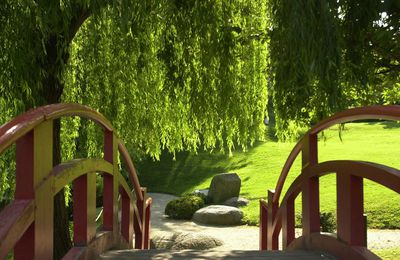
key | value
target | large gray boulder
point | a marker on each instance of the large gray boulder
(224, 186)
(179, 241)
(218, 215)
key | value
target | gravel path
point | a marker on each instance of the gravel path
(242, 237)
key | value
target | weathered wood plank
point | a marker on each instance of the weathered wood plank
(215, 254)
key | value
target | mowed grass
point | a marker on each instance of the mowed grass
(260, 167)
(389, 253)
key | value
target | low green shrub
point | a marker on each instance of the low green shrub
(327, 222)
(185, 207)
(297, 221)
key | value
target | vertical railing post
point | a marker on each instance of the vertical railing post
(310, 189)
(365, 230)
(142, 213)
(288, 218)
(138, 223)
(350, 209)
(263, 225)
(147, 225)
(84, 209)
(126, 217)
(272, 235)
(137, 228)
(140, 226)
(34, 163)
(24, 189)
(44, 211)
(110, 184)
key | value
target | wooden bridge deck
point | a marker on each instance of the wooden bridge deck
(214, 254)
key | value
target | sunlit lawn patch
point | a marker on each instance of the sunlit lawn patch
(259, 169)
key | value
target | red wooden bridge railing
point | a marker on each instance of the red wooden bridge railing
(276, 217)
(26, 224)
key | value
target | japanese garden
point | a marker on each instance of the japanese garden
(106, 102)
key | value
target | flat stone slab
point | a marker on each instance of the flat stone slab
(195, 241)
(218, 215)
(180, 241)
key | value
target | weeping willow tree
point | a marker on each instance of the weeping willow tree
(328, 54)
(190, 73)
(169, 74)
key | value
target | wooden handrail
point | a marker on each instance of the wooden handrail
(19, 126)
(28, 219)
(362, 113)
(351, 228)
(377, 112)
(382, 174)
(353, 233)
(132, 171)
(286, 168)
(16, 219)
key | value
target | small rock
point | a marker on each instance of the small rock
(218, 215)
(204, 192)
(224, 186)
(236, 202)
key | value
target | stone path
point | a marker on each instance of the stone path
(242, 237)
(234, 238)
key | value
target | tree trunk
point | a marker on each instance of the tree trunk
(52, 89)
(61, 236)
(57, 55)
(271, 114)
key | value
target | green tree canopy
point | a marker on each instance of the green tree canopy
(172, 74)
(327, 55)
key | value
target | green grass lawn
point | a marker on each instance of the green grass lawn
(388, 254)
(259, 169)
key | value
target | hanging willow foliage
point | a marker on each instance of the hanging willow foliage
(329, 54)
(170, 74)
(186, 74)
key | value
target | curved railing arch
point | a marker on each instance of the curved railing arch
(278, 216)
(26, 224)
(361, 113)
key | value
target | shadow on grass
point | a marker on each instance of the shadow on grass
(189, 170)
(388, 124)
